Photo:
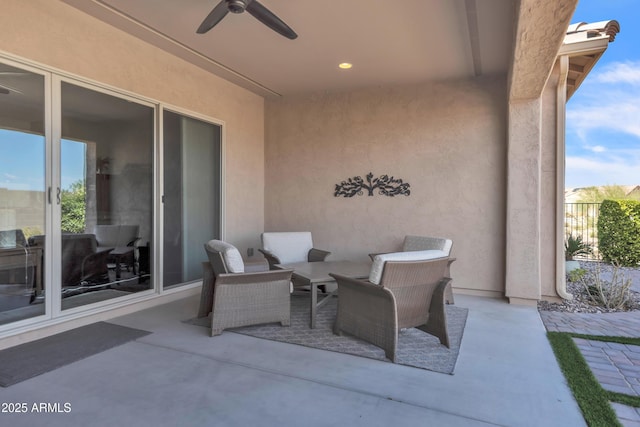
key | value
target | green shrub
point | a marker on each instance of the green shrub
(619, 232)
(73, 207)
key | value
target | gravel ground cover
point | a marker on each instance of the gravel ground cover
(581, 302)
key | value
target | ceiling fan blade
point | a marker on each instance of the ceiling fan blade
(215, 16)
(6, 89)
(265, 16)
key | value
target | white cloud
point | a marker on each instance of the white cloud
(8, 176)
(610, 167)
(620, 72)
(616, 113)
(608, 100)
(597, 149)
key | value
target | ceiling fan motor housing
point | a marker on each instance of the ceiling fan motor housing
(236, 6)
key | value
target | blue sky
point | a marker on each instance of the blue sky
(22, 161)
(603, 116)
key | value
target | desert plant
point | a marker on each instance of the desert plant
(575, 246)
(614, 294)
(577, 274)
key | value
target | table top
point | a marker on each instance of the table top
(318, 272)
(120, 250)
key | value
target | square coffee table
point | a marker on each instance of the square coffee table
(314, 274)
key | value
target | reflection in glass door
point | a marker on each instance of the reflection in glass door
(22, 194)
(192, 174)
(106, 196)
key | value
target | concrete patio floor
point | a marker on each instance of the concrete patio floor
(178, 376)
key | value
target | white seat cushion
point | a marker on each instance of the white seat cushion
(289, 247)
(230, 255)
(379, 260)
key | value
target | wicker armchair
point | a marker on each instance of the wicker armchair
(123, 242)
(440, 247)
(243, 298)
(399, 294)
(290, 247)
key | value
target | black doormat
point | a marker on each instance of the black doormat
(31, 359)
(415, 347)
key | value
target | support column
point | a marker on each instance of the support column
(523, 202)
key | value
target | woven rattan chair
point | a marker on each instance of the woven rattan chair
(243, 298)
(403, 294)
(424, 243)
(290, 247)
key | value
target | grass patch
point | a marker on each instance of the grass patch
(625, 399)
(620, 340)
(612, 396)
(591, 397)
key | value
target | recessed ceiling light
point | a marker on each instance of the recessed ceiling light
(345, 65)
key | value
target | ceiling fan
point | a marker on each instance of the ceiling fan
(256, 9)
(6, 90)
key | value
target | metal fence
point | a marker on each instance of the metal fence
(581, 219)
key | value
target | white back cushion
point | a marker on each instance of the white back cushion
(230, 255)
(379, 260)
(289, 247)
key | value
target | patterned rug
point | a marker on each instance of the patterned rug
(415, 347)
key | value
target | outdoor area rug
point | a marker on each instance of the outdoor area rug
(415, 347)
(31, 359)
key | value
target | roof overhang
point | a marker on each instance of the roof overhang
(584, 44)
(541, 28)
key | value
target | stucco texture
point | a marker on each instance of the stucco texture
(447, 140)
(55, 35)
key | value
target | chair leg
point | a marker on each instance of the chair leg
(449, 291)
(448, 295)
(391, 355)
(336, 329)
(437, 323)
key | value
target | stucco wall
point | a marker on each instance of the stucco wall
(548, 220)
(448, 140)
(56, 35)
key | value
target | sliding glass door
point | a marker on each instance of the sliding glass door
(22, 193)
(77, 205)
(192, 173)
(76, 194)
(106, 195)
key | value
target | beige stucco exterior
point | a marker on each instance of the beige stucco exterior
(480, 154)
(447, 140)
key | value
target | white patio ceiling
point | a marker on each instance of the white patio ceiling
(388, 42)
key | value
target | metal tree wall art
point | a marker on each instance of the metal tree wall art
(385, 184)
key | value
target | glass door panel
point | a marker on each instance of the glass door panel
(22, 194)
(106, 196)
(192, 165)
